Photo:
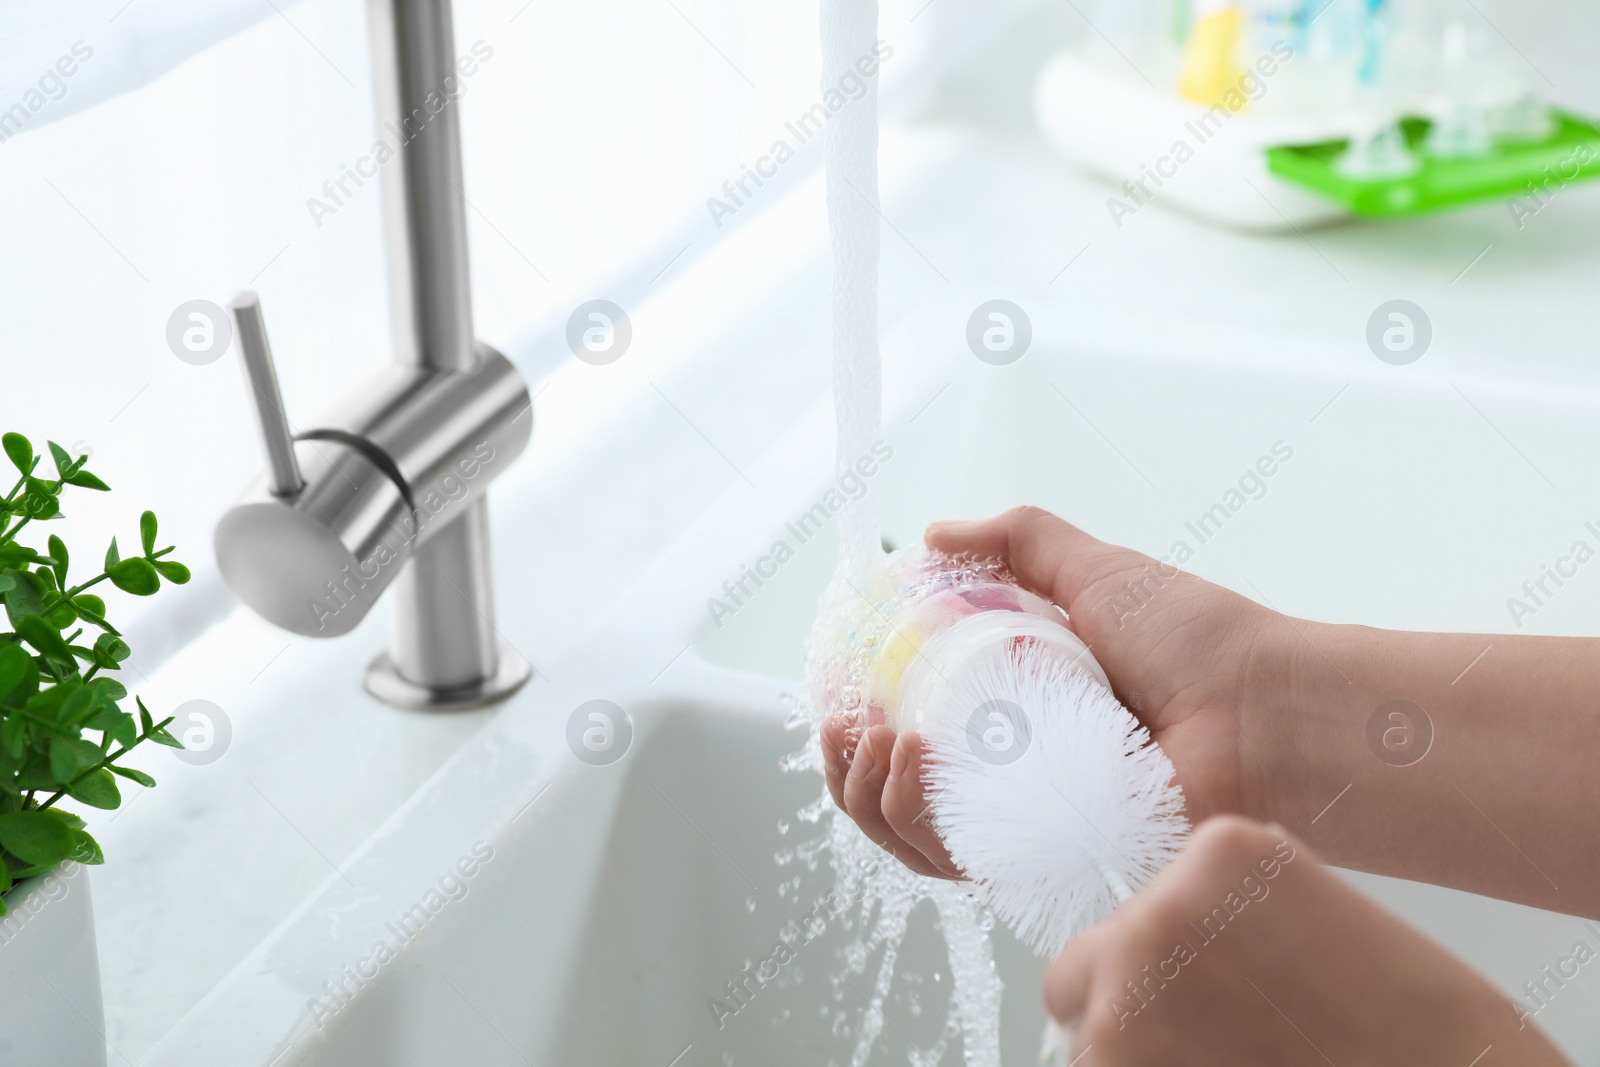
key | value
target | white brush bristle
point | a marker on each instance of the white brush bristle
(1088, 812)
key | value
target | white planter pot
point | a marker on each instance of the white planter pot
(50, 1009)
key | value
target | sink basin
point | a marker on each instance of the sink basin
(601, 921)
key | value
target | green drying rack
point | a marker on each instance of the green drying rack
(1570, 153)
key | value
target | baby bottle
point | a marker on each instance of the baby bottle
(924, 621)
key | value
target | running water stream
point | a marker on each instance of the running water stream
(883, 894)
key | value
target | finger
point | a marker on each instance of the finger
(1066, 983)
(1046, 554)
(906, 808)
(863, 798)
(836, 755)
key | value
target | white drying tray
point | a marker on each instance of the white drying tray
(1114, 125)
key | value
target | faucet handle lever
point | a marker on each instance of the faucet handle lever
(251, 329)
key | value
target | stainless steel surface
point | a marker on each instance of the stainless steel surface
(314, 563)
(425, 224)
(394, 481)
(463, 669)
(388, 685)
(248, 325)
(449, 433)
(404, 465)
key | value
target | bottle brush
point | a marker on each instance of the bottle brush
(1048, 793)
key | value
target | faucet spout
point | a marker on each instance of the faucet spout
(390, 491)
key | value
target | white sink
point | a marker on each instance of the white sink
(609, 922)
(613, 907)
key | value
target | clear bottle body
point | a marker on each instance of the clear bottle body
(925, 620)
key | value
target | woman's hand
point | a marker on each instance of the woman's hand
(1185, 656)
(1246, 950)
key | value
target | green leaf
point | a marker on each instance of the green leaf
(111, 555)
(135, 576)
(13, 736)
(77, 706)
(147, 531)
(110, 689)
(58, 552)
(160, 736)
(118, 723)
(23, 598)
(7, 581)
(173, 571)
(85, 480)
(92, 609)
(16, 554)
(20, 450)
(63, 760)
(5, 884)
(35, 773)
(133, 775)
(40, 499)
(37, 837)
(85, 849)
(109, 651)
(47, 702)
(62, 460)
(98, 790)
(44, 637)
(88, 752)
(146, 723)
(18, 671)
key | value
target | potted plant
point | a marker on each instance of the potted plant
(64, 735)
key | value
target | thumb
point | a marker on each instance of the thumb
(1047, 554)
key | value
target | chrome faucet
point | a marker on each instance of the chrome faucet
(390, 488)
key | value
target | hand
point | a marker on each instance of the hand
(1185, 656)
(1246, 950)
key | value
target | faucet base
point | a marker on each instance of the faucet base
(386, 683)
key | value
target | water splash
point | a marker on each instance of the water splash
(884, 894)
